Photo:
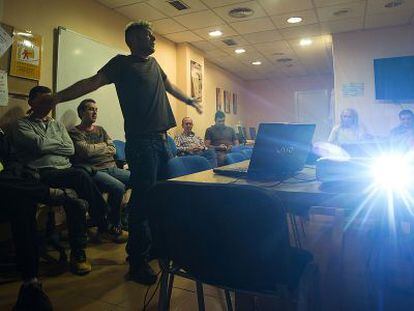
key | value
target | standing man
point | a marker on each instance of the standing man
(94, 148)
(220, 137)
(142, 88)
(188, 143)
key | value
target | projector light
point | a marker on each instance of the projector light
(392, 172)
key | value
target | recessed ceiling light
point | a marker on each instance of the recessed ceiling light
(256, 63)
(239, 51)
(215, 33)
(294, 19)
(305, 42)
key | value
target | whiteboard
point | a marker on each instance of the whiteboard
(79, 57)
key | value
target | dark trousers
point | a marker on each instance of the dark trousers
(80, 181)
(18, 205)
(147, 159)
(210, 155)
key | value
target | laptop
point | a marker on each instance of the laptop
(281, 149)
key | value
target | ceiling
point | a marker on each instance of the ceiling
(265, 35)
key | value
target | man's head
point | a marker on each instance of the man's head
(349, 118)
(187, 124)
(140, 38)
(88, 111)
(406, 118)
(40, 101)
(220, 118)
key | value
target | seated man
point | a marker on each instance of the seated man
(94, 148)
(402, 136)
(20, 193)
(190, 144)
(44, 145)
(220, 137)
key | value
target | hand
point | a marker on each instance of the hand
(196, 104)
(222, 147)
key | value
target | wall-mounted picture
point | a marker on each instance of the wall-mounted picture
(196, 73)
(227, 99)
(234, 103)
(219, 105)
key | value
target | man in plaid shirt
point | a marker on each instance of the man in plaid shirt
(188, 143)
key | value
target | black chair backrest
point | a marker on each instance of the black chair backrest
(252, 131)
(234, 236)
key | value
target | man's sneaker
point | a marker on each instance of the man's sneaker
(78, 263)
(32, 297)
(142, 274)
(115, 234)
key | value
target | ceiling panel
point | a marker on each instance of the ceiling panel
(117, 3)
(253, 5)
(263, 36)
(269, 48)
(342, 25)
(140, 11)
(164, 26)
(322, 3)
(301, 31)
(341, 11)
(184, 36)
(226, 30)
(277, 7)
(253, 25)
(218, 3)
(237, 39)
(308, 16)
(378, 7)
(387, 20)
(204, 45)
(167, 9)
(199, 20)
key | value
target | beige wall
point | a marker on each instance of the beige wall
(274, 100)
(106, 26)
(354, 53)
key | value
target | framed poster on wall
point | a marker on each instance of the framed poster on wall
(227, 98)
(196, 74)
(219, 106)
(234, 103)
(26, 56)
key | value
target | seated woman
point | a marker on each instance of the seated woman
(348, 130)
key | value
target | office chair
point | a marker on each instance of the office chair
(252, 132)
(230, 236)
(185, 165)
(120, 157)
(234, 157)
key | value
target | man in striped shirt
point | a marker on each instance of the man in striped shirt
(188, 143)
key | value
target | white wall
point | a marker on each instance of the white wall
(353, 55)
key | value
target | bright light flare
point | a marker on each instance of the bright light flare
(392, 172)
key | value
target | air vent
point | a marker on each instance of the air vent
(284, 60)
(229, 42)
(341, 12)
(241, 12)
(394, 4)
(179, 5)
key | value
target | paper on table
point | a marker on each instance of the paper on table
(4, 93)
(5, 41)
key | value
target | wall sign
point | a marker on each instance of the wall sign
(353, 89)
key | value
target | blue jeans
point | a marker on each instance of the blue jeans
(114, 181)
(147, 159)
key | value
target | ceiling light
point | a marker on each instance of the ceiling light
(215, 33)
(294, 19)
(305, 42)
(256, 63)
(241, 12)
(239, 51)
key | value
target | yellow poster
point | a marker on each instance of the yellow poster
(26, 56)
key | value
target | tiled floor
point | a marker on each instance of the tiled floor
(386, 283)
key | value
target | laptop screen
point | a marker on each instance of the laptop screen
(280, 149)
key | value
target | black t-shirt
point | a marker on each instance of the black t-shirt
(142, 95)
(220, 135)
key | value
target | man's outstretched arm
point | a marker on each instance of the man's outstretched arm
(176, 92)
(81, 87)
